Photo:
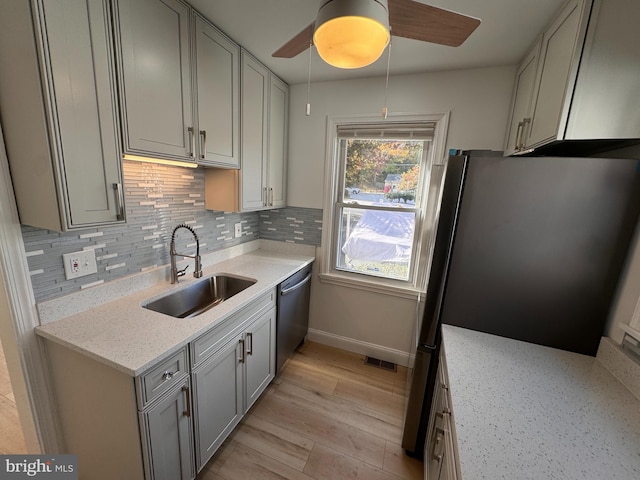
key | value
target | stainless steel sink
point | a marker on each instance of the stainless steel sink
(199, 297)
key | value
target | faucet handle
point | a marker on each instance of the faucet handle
(183, 272)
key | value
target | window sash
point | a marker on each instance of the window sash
(415, 242)
(334, 182)
(387, 132)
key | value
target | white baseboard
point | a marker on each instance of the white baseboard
(360, 347)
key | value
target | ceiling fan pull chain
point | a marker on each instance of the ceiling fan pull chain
(308, 112)
(385, 110)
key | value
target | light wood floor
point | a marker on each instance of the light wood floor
(11, 438)
(327, 416)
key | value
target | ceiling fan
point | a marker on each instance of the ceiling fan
(354, 33)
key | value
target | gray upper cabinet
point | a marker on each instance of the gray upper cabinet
(255, 105)
(521, 105)
(261, 182)
(154, 47)
(180, 81)
(586, 85)
(59, 112)
(606, 98)
(217, 77)
(278, 141)
(561, 44)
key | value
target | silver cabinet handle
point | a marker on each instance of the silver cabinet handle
(243, 357)
(264, 197)
(187, 392)
(518, 133)
(271, 197)
(250, 349)
(523, 134)
(192, 145)
(167, 376)
(439, 437)
(203, 143)
(117, 188)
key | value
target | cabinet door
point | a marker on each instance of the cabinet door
(434, 444)
(78, 45)
(559, 44)
(260, 346)
(218, 83)
(255, 87)
(278, 140)
(218, 398)
(167, 430)
(155, 75)
(521, 104)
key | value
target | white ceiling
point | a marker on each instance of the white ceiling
(508, 28)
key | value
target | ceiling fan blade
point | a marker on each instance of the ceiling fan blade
(297, 44)
(418, 21)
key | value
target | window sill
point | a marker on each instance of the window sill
(343, 281)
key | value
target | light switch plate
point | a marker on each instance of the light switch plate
(79, 264)
(238, 230)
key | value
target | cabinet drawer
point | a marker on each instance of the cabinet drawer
(162, 377)
(207, 344)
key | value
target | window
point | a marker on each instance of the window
(375, 217)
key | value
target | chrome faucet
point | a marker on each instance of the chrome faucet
(175, 273)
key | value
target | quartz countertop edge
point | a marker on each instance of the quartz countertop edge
(522, 410)
(125, 336)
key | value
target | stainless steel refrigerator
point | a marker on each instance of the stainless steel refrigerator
(529, 248)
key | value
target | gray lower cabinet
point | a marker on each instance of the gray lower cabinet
(166, 426)
(440, 455)
(228, 383)
(260, 356)
(218, 401)
(166, 423)
(59, 112)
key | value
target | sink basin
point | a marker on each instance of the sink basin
(200, 296)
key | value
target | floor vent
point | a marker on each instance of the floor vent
(376, 362)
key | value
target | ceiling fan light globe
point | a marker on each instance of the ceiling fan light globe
(351, 33)
(351, 42)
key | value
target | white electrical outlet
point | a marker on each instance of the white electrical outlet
(238, 230)
(79, 264)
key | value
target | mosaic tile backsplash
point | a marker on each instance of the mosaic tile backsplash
(158, 198)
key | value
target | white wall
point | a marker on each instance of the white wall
(478, 99)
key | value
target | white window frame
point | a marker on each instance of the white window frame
(332, 182)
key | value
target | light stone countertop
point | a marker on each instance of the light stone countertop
(523, 411)
(130, 338)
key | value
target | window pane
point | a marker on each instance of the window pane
(386, 173)
(376, 242)
(382, 171)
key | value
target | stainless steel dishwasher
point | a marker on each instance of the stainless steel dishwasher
(293, 314)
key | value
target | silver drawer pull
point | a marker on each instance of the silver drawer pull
(167, 376)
